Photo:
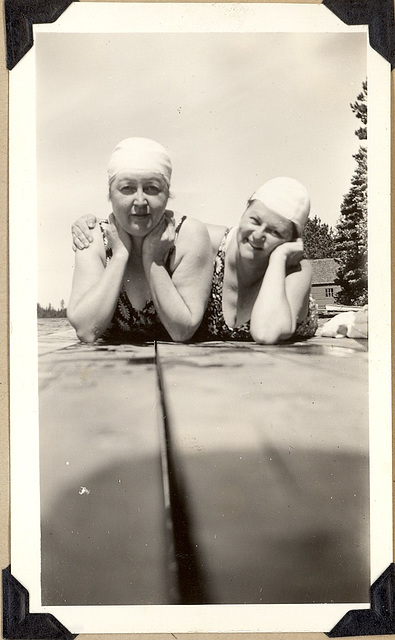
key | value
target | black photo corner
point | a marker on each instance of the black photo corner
(20, 15)
(18, 622)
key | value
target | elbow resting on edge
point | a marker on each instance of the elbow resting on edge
(87, 336)
(182, 334)
(269, 337)
(84, 334)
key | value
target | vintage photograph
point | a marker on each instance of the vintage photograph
(205, 410)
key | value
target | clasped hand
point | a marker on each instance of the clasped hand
(117, 239)
(156, 245)
(160, 240)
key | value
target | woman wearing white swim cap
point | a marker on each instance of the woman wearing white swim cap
(146, 276)
(261, 282)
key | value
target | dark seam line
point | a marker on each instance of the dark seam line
(191, 585)
(174, 592)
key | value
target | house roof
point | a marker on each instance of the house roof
(324, 270)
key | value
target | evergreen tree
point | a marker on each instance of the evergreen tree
(318, 240)
(360, 108)
(351, 246)
(50, 312)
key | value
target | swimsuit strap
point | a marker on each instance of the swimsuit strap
(235, 333)
(101, 222)
(176, 231)
(178, 227)
(224, 241)
(219, 268)
(105, 241)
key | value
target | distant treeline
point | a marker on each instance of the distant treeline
(51, 312)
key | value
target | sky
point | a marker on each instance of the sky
(232, 109)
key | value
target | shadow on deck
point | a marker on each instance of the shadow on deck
(205, 473)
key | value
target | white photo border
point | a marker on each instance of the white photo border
(25, 517)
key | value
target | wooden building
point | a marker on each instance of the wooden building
(323, 288)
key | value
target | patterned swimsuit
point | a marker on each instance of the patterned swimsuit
(214, 327)
(135, 325)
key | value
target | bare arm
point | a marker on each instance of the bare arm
(283, 299)
(180, 298)
(96, 287)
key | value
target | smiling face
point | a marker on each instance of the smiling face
(139, 200)
(261, 231)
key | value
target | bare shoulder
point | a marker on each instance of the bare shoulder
(192, 247)
(216, 233)
(193, 229)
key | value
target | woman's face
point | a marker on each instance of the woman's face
(261, 231)
(139, 201)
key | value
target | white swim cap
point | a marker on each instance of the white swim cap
(287, 197)
(141, 155)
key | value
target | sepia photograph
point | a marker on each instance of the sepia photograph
(206, 426)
